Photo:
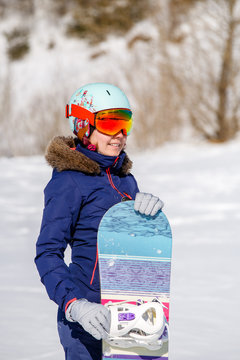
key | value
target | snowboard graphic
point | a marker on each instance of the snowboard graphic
(134, 253)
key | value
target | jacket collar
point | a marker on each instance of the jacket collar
(113, 162)
(66, 153)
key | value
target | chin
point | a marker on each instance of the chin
(114, 152)
(109, 152)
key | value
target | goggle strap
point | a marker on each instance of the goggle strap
(80, 113)
(67, 111)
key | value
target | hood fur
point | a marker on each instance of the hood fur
(60, 155)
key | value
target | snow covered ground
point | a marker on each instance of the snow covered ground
(200, 185)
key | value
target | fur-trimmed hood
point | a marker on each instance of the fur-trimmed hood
(60, 154)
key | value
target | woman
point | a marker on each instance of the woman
(91, 173)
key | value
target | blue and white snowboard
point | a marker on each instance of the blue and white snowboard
(134, 253)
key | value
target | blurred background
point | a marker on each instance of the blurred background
(177, 60)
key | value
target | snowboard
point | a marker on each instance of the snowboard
(134, 255)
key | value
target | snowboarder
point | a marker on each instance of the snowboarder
(91, 173)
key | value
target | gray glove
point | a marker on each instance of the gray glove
(147, 204)
(94, 318)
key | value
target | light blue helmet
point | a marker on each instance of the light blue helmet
(96, 97)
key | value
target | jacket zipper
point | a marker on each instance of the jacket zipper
(123, 196)
(95, 266)
(114, 187)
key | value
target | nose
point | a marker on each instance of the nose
(120, 134)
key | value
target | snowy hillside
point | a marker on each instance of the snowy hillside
(200, 187)
(170, 62)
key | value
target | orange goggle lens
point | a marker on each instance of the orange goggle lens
(112, 121)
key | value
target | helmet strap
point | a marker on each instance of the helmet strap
(81, 128)
(82, 132)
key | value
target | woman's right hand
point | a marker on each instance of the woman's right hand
(147, 204)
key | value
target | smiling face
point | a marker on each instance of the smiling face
(110, 145)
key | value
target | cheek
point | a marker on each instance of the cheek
(103, 145)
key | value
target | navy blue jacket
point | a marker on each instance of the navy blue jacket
(84, 185)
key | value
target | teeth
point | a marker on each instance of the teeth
(116, 145)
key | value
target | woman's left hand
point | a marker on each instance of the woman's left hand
(147, 204)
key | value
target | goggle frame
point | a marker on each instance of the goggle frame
(94, 119)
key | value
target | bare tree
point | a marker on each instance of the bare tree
(210, 69)
(6, 124)
(155, 88)
(228, 122)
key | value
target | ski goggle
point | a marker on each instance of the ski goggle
(109, 121)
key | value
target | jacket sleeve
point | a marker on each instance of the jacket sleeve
(62, 206)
